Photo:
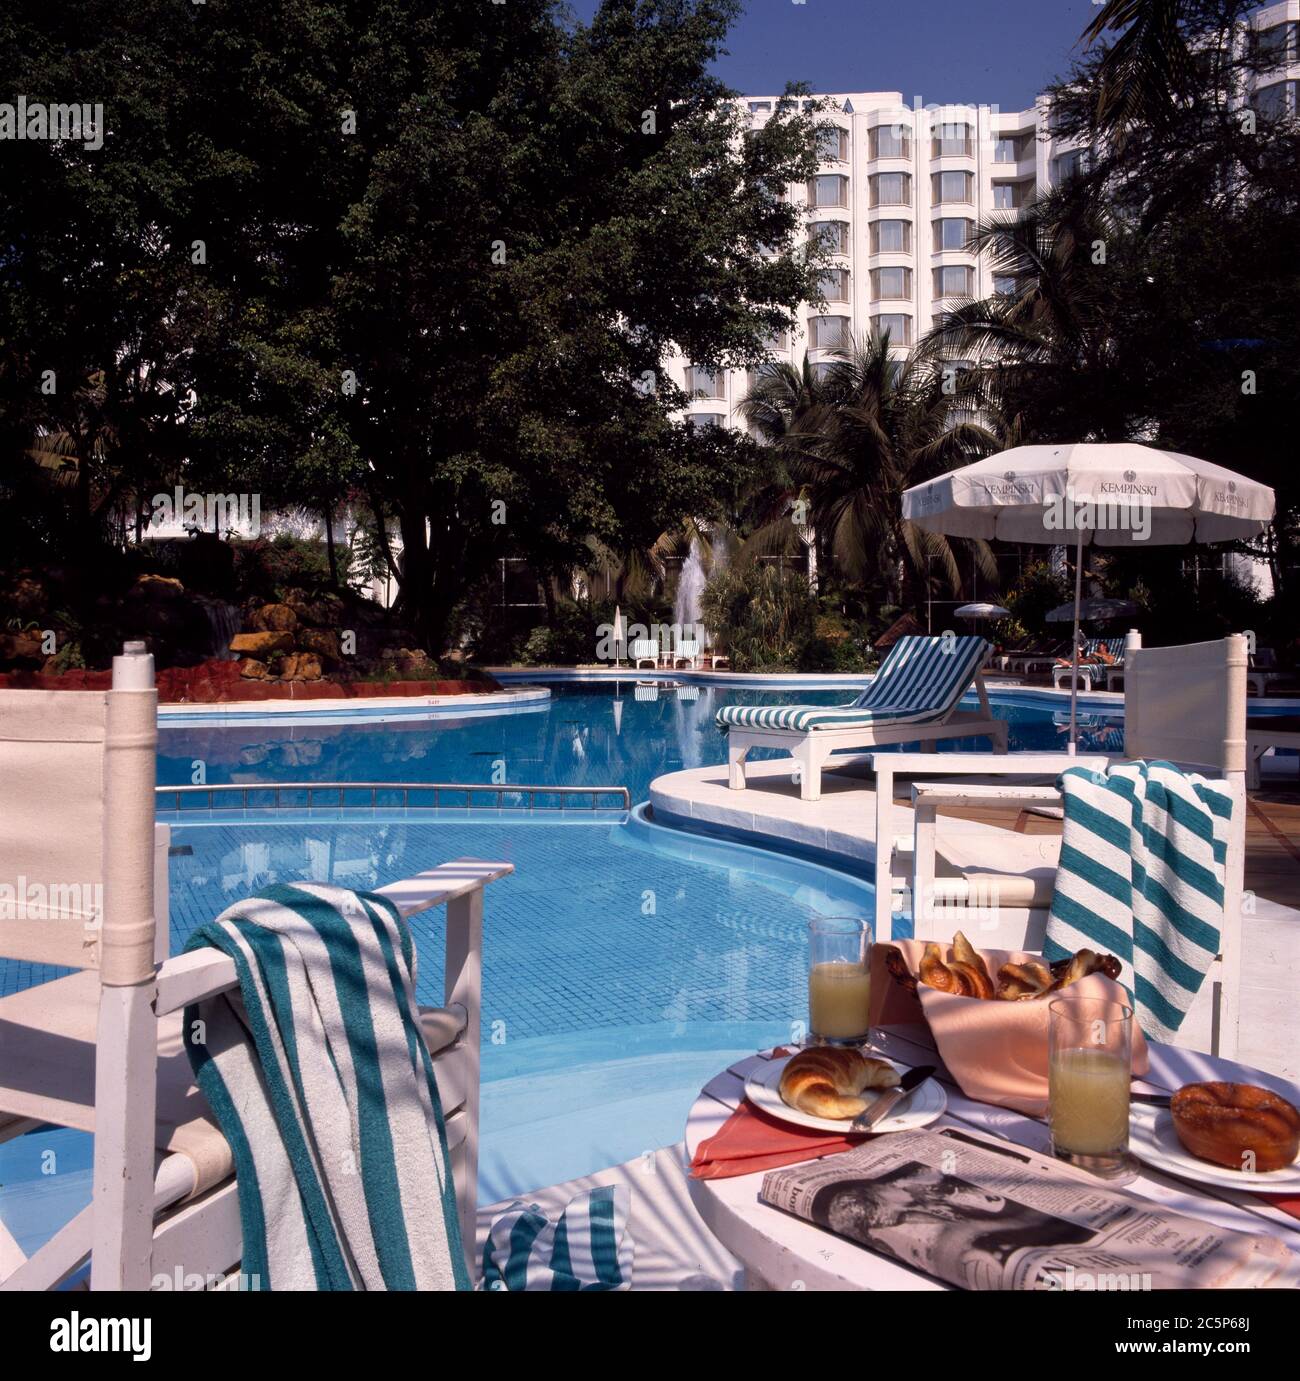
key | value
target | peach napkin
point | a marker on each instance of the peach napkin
(996, 1051)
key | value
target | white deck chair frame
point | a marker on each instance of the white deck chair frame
(813, 749)
(1184, 704)
(136, 1228)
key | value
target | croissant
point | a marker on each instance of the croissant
(826, 1081)
(1017, 981)
(936, 974)
(1080, 965)
(963, 952)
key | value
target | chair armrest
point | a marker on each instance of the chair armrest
(953, 794)
(190, 977)
(443, 884)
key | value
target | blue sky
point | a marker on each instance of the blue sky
(999, 51)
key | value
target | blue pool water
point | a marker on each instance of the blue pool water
(623, 963)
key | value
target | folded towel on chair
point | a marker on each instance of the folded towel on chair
(321, 1081)
(1141, 876)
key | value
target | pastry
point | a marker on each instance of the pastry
(963, 952)
(1018, 981)
(827, 1080)
(1229, 1124)
(936, 974)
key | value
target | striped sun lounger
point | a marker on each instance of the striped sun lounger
(914, 696)
(1142, 876)
(320, 1079)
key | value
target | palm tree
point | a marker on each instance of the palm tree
(851, 439)
(1145, 72)
(1046, 346)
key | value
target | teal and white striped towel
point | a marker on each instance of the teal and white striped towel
(321, 1081)
(1141, 876)
(588, 1248)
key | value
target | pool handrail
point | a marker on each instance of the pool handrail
(469, 788)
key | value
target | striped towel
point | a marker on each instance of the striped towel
(321, 1082)
(588, 1248)
(1141, 876)
(919, 682)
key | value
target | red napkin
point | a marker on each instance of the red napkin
(750, 1141)
(1288, 1203)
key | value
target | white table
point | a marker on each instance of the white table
(782, 1252)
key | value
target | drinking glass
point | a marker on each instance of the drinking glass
(1090, 1044)
(839, 980)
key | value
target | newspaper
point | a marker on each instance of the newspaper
(984, 1214)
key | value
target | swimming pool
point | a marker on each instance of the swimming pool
(624, 963)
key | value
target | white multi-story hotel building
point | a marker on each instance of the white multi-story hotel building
(899, 191)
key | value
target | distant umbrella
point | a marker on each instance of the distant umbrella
(1097, 609)
(983, 611)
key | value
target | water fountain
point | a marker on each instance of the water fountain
(686, 602)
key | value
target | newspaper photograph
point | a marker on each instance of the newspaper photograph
(982, 1214)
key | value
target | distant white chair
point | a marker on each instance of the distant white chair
(1186, 705)
(688, 650)
(101, 1050)
(644, 650)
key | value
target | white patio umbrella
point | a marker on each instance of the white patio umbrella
(1110, 495)
(982, 611)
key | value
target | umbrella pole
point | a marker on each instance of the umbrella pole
(1074, 655)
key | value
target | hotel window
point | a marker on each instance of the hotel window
(891, 237)
(698, 421)
(891, 283)
(1072, 164)
(898, 326)
(828, 332)
(1276, 45)
(835, 285)
(1007, 196)
(953, 280)
(830, 189)
(891, 189)
(953, 232)
(823, 370)
(1277, 101)
(833, 144)
(891, 141)
(760, 107)
(832, 236)
(1004, 285)
(703, 383)
(776, 340)
(1006, 151)
(948, 140)
(952, 187)
(941, 319)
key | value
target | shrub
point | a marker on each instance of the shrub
(763, 617)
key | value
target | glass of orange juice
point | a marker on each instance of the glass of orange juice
(839, 980)
(1090, 1044)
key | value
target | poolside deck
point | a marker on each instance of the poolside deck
(840, 827)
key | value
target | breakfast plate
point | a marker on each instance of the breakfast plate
(1152, 1139)
(926, 1103)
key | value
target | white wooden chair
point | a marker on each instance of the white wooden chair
(644, 650)
(1183, 704)
(100, 1050)
(688, 650)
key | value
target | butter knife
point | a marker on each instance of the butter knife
(889, 1100)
